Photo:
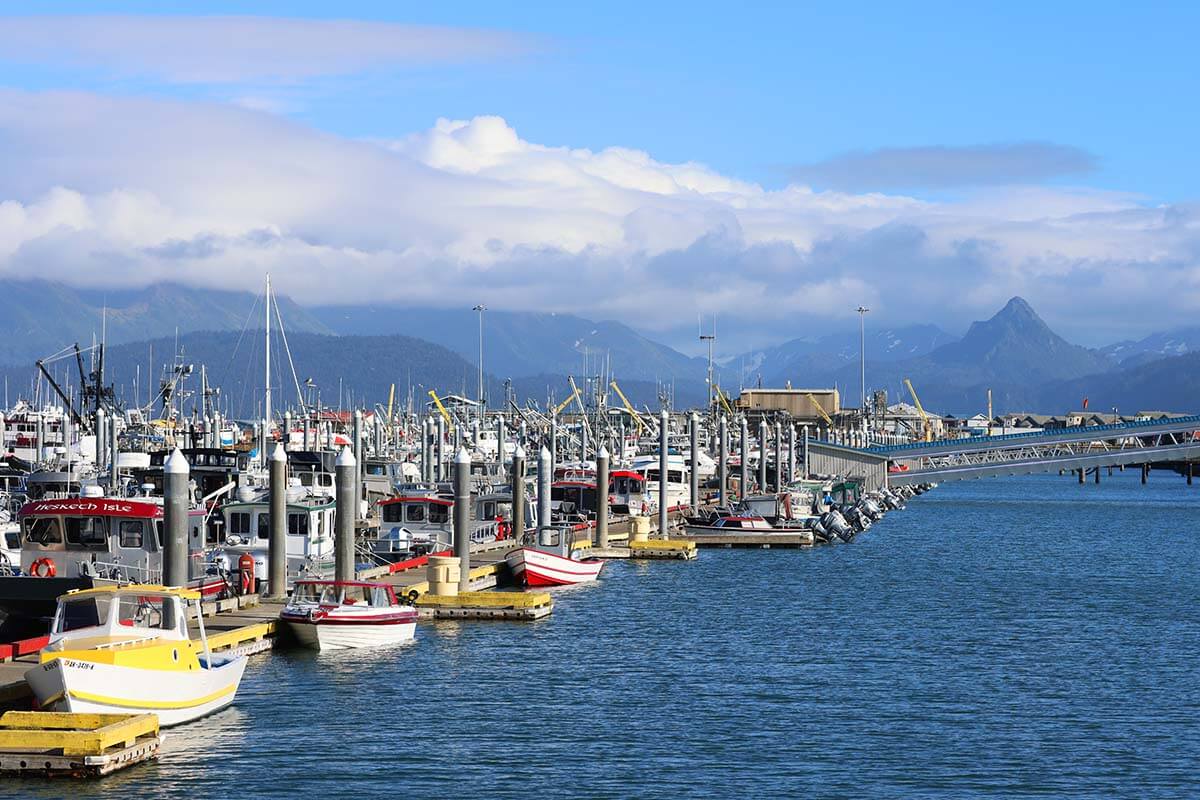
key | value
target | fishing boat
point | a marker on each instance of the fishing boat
(126, 650)
(339, 615)
(554, 561)
(91, 540)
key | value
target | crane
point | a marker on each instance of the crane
(629, 407)
(817, 403)
(437, 401)
(927, 428)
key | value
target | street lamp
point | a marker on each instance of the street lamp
(480, 309)
(710, 338)
(862, 356)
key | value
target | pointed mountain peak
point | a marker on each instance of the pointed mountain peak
(1017, 306)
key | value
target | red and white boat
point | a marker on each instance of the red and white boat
(339, 615)
(553, 562)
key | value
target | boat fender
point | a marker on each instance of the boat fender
(43, 568)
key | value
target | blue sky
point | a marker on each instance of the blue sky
(753, 89)
(674, 159)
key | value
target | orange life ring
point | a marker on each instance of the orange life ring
(37, 567)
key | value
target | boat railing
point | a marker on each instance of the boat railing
(121, 572)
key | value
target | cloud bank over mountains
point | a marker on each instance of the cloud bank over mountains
(104, 190)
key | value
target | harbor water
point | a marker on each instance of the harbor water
(1014, 637)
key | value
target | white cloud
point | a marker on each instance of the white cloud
(125, 191)
(235, 49)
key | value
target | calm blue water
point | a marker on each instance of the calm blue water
(1009, 638)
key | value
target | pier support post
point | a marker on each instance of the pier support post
(722, 460)
(378, 420)
(744, 476)
(307, 418)
(114, 449)
(544, 478)
(439, 446)
(264, 436)
(277, 545)
(285, 436)
(1097, 476)
(501, 435)
(462, 517)
(345, 468)
(1080, 472)
(694, 482)
(1145, 473)
(807, 471)
(175, 519)
(1189, 473)
(764, 449)
(664, 423)
(518, 494)
(358, 462)
(101, 435)
(791, 459)
(553, 440)
(602, 497)
(778, 456)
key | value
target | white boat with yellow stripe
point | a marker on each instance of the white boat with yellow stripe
(126, 650)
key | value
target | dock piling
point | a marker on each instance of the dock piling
(277, 546)
(763, 450)
(345, 468)
(791, 459)
(439, 446)
(518, 493)
(101, 435)
(602, 496)
(114, 473)
(286, 438)
(722, 459)
(545, 476)
(175, 519)
(743, 489)
(778, 456)
(358, 460)
(664, 423)
(694, 483)
(462, 517)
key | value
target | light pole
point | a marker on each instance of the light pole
(862, 357)
(480, 309)
(710, 338)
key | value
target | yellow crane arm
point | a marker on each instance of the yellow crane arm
(441, 407)
(928, 429)
(559, 408)
(391, 400)
(820, 409)
(725, 401)
(629, 407)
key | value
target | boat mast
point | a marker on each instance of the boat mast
(267, 401)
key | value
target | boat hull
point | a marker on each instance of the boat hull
(175, 696)
(325, 635)
(537, 568)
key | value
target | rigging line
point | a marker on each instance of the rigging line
(291, 364)
(238, 344)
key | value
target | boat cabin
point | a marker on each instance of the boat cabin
(121, 616)
(101, 537)
(310, 534)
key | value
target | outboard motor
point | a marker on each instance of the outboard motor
(837, 526)
(870, 509)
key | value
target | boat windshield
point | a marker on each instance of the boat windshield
(330, 594)
(86, 612)
(153, 612)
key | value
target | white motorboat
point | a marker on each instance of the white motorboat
(126, 650)
(339, 615)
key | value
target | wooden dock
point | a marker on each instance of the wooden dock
(50, 744)
(750, 539)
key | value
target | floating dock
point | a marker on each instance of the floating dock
(43, 743)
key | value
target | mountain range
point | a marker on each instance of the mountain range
(1015, 354)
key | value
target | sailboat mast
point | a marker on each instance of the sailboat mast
(267, 401)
